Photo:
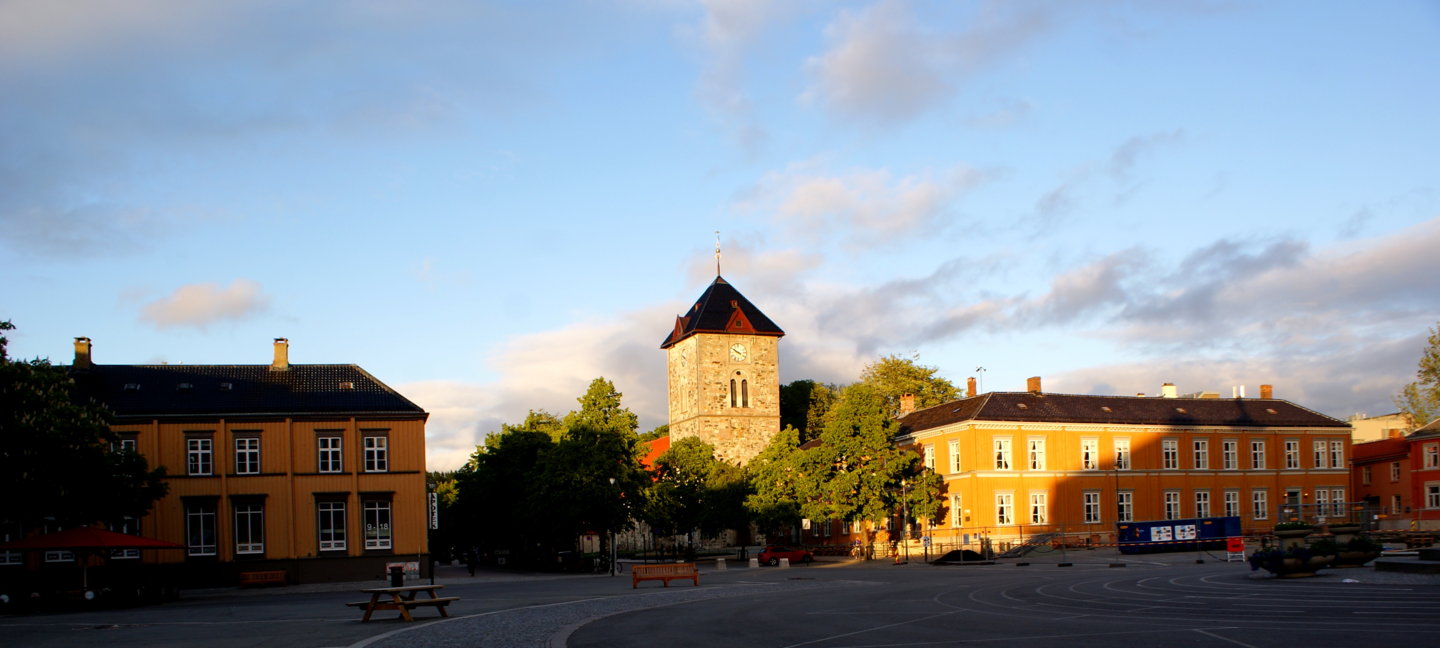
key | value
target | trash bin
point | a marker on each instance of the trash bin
(397, 576)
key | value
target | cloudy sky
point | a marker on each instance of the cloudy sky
(489, 204)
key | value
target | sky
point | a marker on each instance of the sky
(487, 205)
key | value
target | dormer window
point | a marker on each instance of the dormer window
(132, 386)
(225, 386)
(347, 385)
(184, 387)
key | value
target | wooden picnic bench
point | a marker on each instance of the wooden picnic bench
(665, 573)
(403, 599)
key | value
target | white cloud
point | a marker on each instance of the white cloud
(200, 305)
(727, 30)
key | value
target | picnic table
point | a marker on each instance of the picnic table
(403, 599)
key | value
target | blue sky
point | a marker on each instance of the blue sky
(488, 204)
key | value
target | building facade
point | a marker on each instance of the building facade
(315, 470)
(1019, 465)
(1380, 477)
(723, 368)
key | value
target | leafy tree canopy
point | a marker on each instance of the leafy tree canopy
(1420, 400)
(658, 432)
(58, 457)
(893, 376)
(600, 409)
(803, 406)
(693, 490)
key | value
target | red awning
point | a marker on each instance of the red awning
(87, 538)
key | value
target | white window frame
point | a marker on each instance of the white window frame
(929, 456)
(1125, 506)
(1036, 451)
(1431, 456)
(1394, 471)
(199, 456)
(1337, 501)
(1432, 495)
(1201, 454)
(330, 525)
(1337, 453)
(1172, 505)
(1321, 454)
(249, 528)
(954, 449)
(247, 455)
(1004, 509)
(330, 451)
(1122, 453)
(1202, 503)
(1232, 503)
(1090, 507)
(1322, 501)
(1365, 475)
(1292, 454)
(1090, 453)
(377, 453)
(201, 529)
(1170, 454)
(1257, 454)
(1260, 504)
(1229, 454)
(1002, 453)
(1039, 513)
(957, 512)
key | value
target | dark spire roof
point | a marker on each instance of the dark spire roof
(1033, 407)
(721, 309)
(241, 390)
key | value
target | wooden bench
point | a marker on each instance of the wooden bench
(253, 578)
(665, 573)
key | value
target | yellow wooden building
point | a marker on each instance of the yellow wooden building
(1037, 467)
(314, 470)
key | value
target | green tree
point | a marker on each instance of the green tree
(803, 405)
(493, 507)
(536, 421)
(1420, 400)
(590, 482)
(600, 409)
(779, 482)
(59, 458)
(658, 432)
(893, 376)
(693, 490)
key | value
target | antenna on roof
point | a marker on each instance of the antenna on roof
(717, 253)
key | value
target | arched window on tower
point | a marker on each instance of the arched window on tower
(745, 393)
(732, 392)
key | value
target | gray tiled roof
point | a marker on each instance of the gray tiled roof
(1027, 407)
(214, 390)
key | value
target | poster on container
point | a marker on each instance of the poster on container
(1186, 532)
(1161, 534)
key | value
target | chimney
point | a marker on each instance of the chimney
(970, 387)
(282, 355)
(1032, 384)
(82, 354)
(1168, 390)
(1267, 392)
(907, 404)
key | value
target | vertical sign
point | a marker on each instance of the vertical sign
(434, 511)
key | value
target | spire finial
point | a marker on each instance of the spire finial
(717, 253)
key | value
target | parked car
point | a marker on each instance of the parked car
(772, 555)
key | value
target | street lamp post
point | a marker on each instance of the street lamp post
(612, 541)
(905, 520)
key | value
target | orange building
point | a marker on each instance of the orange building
(1032, 466)
(314, 470)
(1380, 477)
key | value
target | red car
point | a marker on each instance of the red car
(772, 555)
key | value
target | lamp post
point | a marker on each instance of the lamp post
(612, 541)
(905, 520)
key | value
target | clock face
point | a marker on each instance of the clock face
(738, 352)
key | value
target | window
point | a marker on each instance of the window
(1229, 454)
(377, 453)
(1125, 506)
(128, 444)
(1337, 501)
(1169, 454)
(331, 525)
(954, 456)
(1122, 454)
(200, 528)
(247, 455)
(740, 397)
(1365, 475)
(825, 527)
(1232, 503)
(1091, 506)
(1172, 505)
(1431, 456)
(1202, 454)
(1337, 454)
(10, 532)
(1004, 509)
(1396, 504)
(249, 528)
(1202, 504)
(330, 454)
(957, 512)
(1090, 454)
(51, 526)
(1394, 471)
(1037, 454)
(1002, 454)
(1292, 454)
(1320, 455)
(1260, 504)
(128, 526)
(1432, 496)
(1322, 501)
(1257, 455)
(1037, 508)
(198, 456)
(930, 457)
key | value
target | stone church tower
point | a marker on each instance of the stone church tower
(724, 374)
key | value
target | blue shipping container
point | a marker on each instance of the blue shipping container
(1177, 535)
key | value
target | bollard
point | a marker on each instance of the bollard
(720, 564)
(754, 563)
(784, 563)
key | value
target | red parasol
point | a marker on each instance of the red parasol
(87, 538)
